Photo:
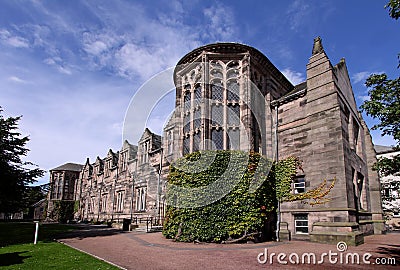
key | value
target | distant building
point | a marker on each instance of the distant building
(390, 189)
(62, 187)
(218, 108)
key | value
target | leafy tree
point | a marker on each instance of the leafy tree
(394, 8)
(384, 105)
(15, 174)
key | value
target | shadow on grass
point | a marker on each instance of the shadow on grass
(23, 233)
(86, 231)
(8, 259)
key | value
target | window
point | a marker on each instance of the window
(197, 95)
(234, 139)
(233, 115)
(170, 143)
(103, 205)
(196, 142)
(186, 101)
(356, 131)
(299, 184)
(186, 123)
(301, 223)
(141, 199)
(217, 115)
(119, 202)
(186, 145)
(216, 91)
(217, 139)
(197, 119)
(233, 91)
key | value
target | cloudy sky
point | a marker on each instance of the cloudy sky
(71, 68)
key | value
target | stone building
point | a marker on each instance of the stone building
(62, 187)
(230, 96)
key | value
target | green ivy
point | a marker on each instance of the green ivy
(242, 211)
(64, 210)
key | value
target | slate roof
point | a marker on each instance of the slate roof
(69, 167)
(381, 149)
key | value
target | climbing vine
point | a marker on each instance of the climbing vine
(247, 211)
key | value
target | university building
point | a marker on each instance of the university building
(230, 96)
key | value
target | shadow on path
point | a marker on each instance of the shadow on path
(86, 230)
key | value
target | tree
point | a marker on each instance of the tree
(384, 105)
(15, 174)
(394, 8)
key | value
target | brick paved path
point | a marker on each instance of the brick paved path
(133, 250)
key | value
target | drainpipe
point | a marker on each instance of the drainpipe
(278, 222)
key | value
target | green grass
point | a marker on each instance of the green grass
(17, 250)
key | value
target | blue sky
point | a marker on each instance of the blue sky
(71, 67)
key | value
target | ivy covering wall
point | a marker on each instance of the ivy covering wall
(247, 211)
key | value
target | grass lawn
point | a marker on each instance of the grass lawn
(17, 250)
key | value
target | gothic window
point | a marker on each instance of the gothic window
(217, 115)
(233, 115)
(186, 123)
(197, 119)
(186, 145)
(217, 139)
(217, 91)
(197, 95)
(233, 91)
(186, 101)
(196, 141)
(233, 139)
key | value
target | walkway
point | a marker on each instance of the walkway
(133, 250)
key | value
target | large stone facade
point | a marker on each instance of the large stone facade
(230, 96)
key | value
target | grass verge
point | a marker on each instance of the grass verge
(17, 250)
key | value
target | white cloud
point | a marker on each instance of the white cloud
(363, 98)
(221, 26)
(297, 13)
(293, 76)
(363, 75)
(17, 80)
(13, 40)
